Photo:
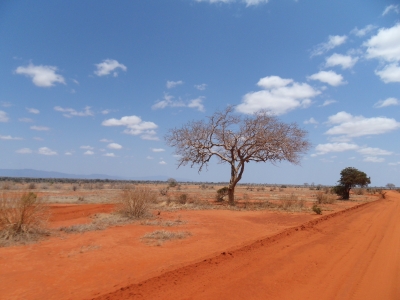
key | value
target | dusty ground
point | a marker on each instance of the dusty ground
(259, 260)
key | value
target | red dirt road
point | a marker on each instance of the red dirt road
(350, 255)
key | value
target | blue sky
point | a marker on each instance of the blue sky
(93, 86)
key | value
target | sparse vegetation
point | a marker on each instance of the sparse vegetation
(134, 203)
(291, 202)
(324, 198)
(158, 237)
(22, 217)
(317, 209)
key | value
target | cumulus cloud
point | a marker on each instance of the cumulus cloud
(40, 128)
(374, 159)
(197, 103)
(24, 151)
(68, 153)
(362, 32)
(33, 110)
(105, 141)
(162, 162)
(86, 147)
(390, 73)
(333, 42)
(328, 77)
(46, 151)
(134, 126)
(42, 76)
(89, 152)
(369, 151)
(389, 8)
(69, 112)
(345, 61)
(172, 84)
(9, 137)
(328, 102)
(388, 102)
(114, 146)
(109, 66)
(279, 96)
(201, 87)
(355, 126)
(385, 45)
(109, 154)
(311, 121)
(3, 117)
(168, 101)
(335, 147)
(157, 149)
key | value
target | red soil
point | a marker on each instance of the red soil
(231, 255)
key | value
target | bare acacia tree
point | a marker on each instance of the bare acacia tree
(237, 140)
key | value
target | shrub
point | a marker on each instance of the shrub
(163, 191)
(21, 216)
(74, 188)
(323, 198)
(291, 202)
(221, 193)
(134, 203)
(317, 209)
(32, 186)
(182, 198)
(172, 182)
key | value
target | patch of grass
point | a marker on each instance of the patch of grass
(291, 203)
(323, 198)
(100, 222)
(166, 223)
(23, 218)
(159, 237)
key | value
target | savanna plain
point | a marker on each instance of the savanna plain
(169, 240)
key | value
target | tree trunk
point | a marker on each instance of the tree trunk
(231, 195)
(346, 194)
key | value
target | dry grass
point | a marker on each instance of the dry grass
(159, 237)
(23, 217)
(165, 223)
(100, 222)
(134, 203)
(291, 203)
(323, 198)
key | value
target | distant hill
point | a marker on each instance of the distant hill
(30, 173)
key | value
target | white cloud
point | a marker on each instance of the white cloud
(255, 2)
(279, 96)
(26, 120)
(394, 164)
(135, 126)
(356, 126)
(3, 117)
(311, 121)
(328, 77)
(335, 147)
(33, 110)
(150, 157)
(388, 102)
(114, 146)
(46, 151)
(24, 151)
(68, 153)
(333, 42)
(392, 7)
(328, 102)
(105, 111)
(157, 149)
(86, 147)
(105, 141)
(374, 159)
(69, 112)
(9, 137)
(89, 152)
(385, 44)
(42, 76)
(390, 73)
(40, 128)
(363, 31)
(162, 162)
(172, 84)
(345, 61)
(201, 87)
(109, 154)
(109, 66)
(168, 101)
(368, 151)
(197, 103)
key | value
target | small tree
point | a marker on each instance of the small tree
(390, 186)
(172, 182)
(349, 178)
(237, 140)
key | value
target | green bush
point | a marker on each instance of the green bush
(317, 209)
(221, 193)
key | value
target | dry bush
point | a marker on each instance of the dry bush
(100, 222)
(134, 203)
(359, 191)
(160, 236)
(22, 217)
(291, 202)
(163, 191)
(323, 198)
(32, 186)
(6, 185)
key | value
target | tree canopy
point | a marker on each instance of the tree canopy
(349, 178)
(237, 140)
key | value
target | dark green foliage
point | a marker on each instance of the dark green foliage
(349, 178)
(221, 193)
